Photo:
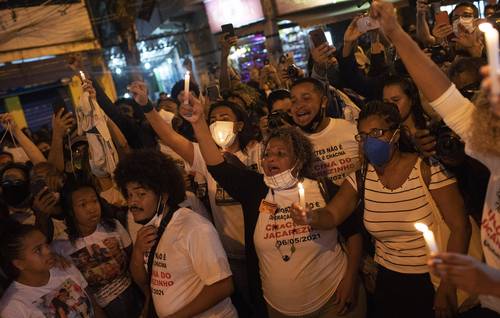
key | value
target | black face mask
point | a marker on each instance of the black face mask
(313, 125)
(15, 192)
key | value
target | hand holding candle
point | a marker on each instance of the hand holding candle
(428, 237)
(82, 76)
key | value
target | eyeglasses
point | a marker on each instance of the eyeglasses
(374, 133)
(464, 15)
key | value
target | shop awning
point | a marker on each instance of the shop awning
(332, 14)
(31, 32)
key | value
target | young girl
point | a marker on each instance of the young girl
(39, 289)
(100, 247)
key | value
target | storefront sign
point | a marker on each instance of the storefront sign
(237, 12)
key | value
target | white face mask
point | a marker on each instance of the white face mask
(467, 23)
(223, 133)
(281, 181)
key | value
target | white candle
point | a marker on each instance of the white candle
(428, 237)
(302, 200)
(491, 35)
(186, 87)
(82, 75)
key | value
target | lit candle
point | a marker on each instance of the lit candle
(186, 87)
(302, 200)
(491, 35)
(82, 75)
(428, 237)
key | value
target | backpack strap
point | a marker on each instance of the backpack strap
(425, 171)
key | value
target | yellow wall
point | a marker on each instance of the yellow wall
(13, 106)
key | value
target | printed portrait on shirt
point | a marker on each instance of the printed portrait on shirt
(102, 262)
(67, 300)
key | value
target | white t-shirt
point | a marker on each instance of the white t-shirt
(309, 279)
(102, 259)
(192, 202)
(22, 301)
(336, 150)
(227, 212)
(390, 216)
(457, 112)
(188, 258)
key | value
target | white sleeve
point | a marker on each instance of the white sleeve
(207, 254)
(124, 235)
(199, 165)
(75, 274)
(456, 111)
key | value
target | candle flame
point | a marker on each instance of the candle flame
(82, 74)
(301, 187)
(485, 27)
(421, 227)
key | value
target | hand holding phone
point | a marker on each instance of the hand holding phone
(228, 28)
(366, 24)
(317, 37)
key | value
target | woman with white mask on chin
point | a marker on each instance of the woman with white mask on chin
(228, 125)
(301, 269)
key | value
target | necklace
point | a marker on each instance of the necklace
(278, 244)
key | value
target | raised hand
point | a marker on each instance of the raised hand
(7, 121)
(61, 123)
(324, 54)
(89, 88)
(422, 7)
(226, 43)
(441, 31)
(139, 91)
(193, 111)
(383, 12)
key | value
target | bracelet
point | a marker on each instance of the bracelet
(148, 107)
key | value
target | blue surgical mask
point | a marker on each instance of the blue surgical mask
(378, 152)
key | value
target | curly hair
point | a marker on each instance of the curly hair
(70, 186)
(153, 170)
(485, 128)
(301, 146)
(390, 113)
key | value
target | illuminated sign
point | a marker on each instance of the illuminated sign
(237, 12)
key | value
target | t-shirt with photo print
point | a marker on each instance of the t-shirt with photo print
(63, 295)
(102, 259)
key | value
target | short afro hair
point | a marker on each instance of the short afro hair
(153, 170)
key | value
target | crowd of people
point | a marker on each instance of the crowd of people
(295, 194)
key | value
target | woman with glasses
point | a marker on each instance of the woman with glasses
(394, 200)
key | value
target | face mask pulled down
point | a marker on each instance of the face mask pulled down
(223, 133)
(281, 181)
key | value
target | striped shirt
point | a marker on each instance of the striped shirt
(390, 216)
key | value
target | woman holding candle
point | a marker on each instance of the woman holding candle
(302, 269)
(395, 199)
(478, 125)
